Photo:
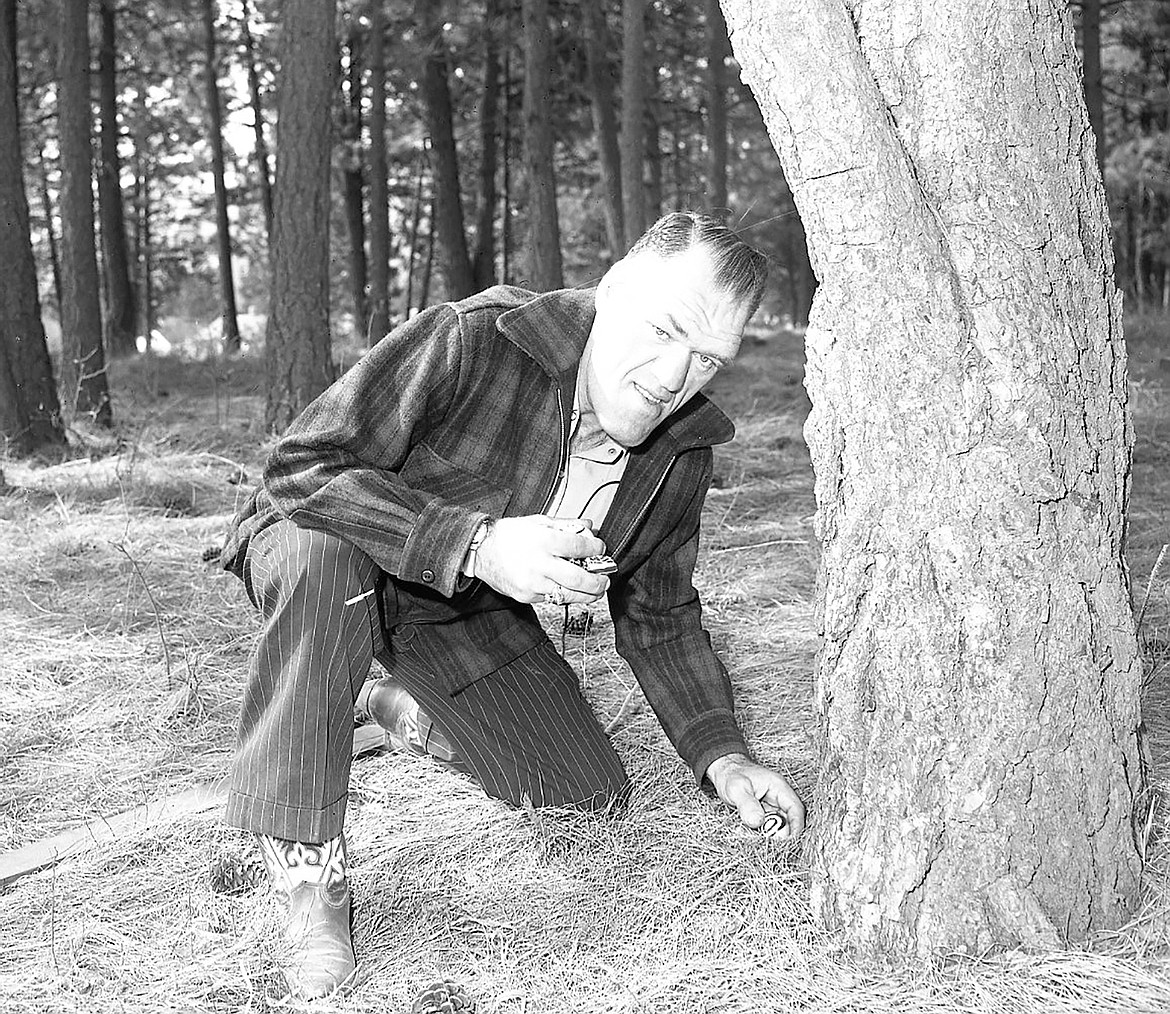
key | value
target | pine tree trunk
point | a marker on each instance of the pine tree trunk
(379, 183)
(120, 310)
(30, 417)
(254, 97)
(353, 181)
(978, 683)
(544, 230)
(601, 95)
(448, 205)
(145, 253)
(298, 347)
(1091, 60)
(653, 147)
(83, 367)
(716, 119)
(483, 263)
(227, 288)
(633, 132)
(50, 232)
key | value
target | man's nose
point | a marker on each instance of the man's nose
(673, 367)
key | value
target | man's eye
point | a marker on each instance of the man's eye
(662, 333)
(707, 363)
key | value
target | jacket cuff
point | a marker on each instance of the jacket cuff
(437, 544)
(713, 735)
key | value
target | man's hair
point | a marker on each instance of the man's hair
(740, 270)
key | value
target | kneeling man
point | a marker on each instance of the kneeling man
(464, 469)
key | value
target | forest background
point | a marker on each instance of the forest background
(126, 660)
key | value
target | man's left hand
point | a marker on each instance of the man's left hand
(755, 791)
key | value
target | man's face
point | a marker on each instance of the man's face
(662, 331)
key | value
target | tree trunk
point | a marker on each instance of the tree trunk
(353, 181)
(145, 259)
(227, 288)
(428, 264)
(50, 232)
(506, 227)
(379, 183)
(298, 348)
(633, 133)
(257, 118)
(653, 147)
(30, 417)
(978, 682)
(483, 264)
(601, 94)
(414, 226)
(83, 366)
(716, 120)
(1091, 59)
(544, 230)
(120, 322)
(448, 202)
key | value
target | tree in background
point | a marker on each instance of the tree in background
(353, 175)
(379, 321)
(602, 98)
(544, 236)
(297, 351)
(30, 417)
(448, 202)
(483, 262)
(978, 684)
(633, 129)
(83, 369)
(227, 285)
(256, 101)
(716, 119)
(121, 314)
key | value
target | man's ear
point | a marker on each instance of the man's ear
(609, 280)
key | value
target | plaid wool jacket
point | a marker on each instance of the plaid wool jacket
(460, 414)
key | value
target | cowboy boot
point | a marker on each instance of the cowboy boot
(407, 726)
(311, 881)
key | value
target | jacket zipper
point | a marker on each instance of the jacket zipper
(629, 532)
(561, 452)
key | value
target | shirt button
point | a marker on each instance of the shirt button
(428, 575)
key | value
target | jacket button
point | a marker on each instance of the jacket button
(428, 576)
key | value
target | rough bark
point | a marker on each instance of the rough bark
(120, 319)
(83, 367)
(379, 183)
(256, 99)
(298, 351)
(448, 197)
(227, 287)
(633, 131)
(30, 417)
(716, 119)
(483, 263)
(353, 181)
(544, 231)
(1091, 61)
(601, 94)
(978, 683)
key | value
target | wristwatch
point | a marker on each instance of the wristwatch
(477, 540)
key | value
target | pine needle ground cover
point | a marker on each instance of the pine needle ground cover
(123, 662)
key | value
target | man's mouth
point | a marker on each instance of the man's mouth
(647, 396)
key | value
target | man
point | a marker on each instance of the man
(460, 472)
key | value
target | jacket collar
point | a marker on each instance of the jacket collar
(552, 329)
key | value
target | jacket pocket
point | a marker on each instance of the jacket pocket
(429, 472)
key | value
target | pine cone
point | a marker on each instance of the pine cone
(232, 875)
(443, 998)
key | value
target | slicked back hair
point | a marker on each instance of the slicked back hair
(740, 270)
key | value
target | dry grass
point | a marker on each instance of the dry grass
(123, 664)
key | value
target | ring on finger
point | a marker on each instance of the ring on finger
(556, 596)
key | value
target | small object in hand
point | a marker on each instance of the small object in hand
(598, 564)
(773, 824)
(211, 553)
(443, 998)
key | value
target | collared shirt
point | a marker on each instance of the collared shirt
(591, 478)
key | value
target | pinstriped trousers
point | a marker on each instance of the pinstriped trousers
(521, 731)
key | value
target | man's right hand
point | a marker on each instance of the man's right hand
(530, 559)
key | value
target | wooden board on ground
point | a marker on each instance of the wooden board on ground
(51, 850)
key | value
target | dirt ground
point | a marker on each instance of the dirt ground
(124, 660)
